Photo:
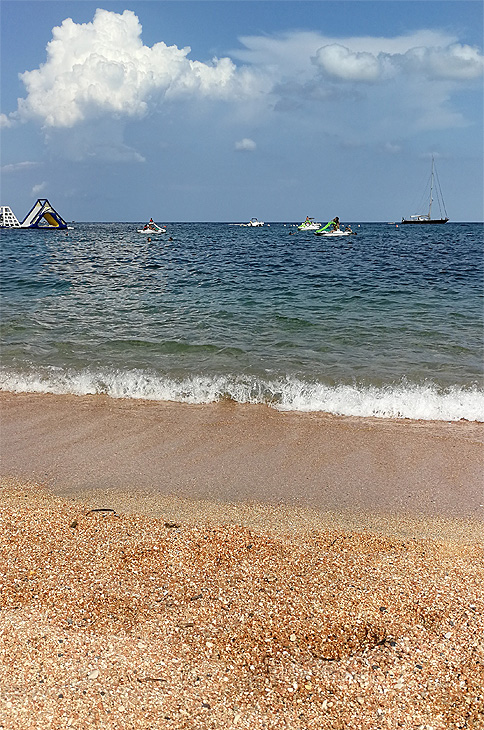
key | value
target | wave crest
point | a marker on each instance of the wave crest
(426, 401)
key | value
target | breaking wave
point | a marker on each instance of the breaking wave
(398, 400)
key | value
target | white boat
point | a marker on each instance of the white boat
(427, 217)
(334, 234)
(309, 225)
(151, 227)
(254, 223)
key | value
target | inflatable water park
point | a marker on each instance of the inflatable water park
(41, 216)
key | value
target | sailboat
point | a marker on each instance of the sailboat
(427, 217)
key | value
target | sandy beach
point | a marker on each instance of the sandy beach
(231, 453)
(227, 566)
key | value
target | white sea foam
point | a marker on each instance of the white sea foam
(402, 400)
(398, 400)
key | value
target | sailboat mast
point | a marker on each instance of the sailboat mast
(431, 188)
(427, 217)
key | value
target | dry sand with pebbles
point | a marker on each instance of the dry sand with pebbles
(126, 621)
(124, 608)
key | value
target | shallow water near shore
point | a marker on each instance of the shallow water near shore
(385, 323)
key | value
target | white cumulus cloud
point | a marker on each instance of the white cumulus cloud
(99, 76)
(5, 121)
(398, 84)
(292, 52)
(103, 67)
(342, 63)
(246, 144)
(454, 62)
(362, 58)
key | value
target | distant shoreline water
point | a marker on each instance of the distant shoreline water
(387, 323)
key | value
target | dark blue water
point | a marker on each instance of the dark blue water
(388, 322)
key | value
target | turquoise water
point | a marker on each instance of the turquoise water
(387, 323)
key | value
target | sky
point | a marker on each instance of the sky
(201, 110)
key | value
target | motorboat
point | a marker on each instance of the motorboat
(309, 225)
(254, 223)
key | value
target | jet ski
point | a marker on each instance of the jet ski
(151, 227)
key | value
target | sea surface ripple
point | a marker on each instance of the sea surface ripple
(385, 323)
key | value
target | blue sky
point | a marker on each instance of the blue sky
(193, 110)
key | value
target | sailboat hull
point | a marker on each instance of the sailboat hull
(426, 221)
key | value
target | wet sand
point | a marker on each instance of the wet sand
(228, 453)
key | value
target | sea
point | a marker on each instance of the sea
(387, 323)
